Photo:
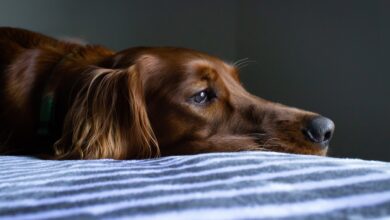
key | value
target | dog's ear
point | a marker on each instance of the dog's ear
(108, 119)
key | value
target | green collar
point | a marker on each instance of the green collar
(46, 113)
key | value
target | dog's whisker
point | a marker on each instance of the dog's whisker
(257, 134)
(239, 61)
(271, 141)
(245, 62)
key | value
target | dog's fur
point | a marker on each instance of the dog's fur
(137, 103)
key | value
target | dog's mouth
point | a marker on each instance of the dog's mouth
(266, 142)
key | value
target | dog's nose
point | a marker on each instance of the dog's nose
(319, 130)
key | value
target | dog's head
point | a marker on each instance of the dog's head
(194, 103)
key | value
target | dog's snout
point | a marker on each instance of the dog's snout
(319, 130)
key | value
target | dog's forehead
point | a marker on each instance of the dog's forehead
(210, 67)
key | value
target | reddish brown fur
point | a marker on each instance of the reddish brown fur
(133, 104)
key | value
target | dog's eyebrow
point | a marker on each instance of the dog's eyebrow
(203, 69)
(208, 73)
(199, 62)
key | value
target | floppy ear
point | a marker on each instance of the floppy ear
(108, 119)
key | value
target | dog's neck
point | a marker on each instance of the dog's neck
(66, 73)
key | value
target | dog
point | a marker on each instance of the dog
(62, 100)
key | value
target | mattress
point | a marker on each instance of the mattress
(244, 185)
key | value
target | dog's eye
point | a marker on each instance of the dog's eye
(203, 96)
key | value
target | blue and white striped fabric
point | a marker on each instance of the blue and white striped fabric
(245, 185)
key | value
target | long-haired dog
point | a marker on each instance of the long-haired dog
(63, 100)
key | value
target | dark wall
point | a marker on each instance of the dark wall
(327, 56)
(118, 24)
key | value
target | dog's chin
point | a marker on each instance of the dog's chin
(315, 149)
(308, 150)
(318, 149)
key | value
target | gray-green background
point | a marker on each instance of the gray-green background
(328, 56)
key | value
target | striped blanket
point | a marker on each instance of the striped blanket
(245, 185)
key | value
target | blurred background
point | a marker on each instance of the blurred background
(327, 56)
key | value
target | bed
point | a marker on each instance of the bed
(244, 185)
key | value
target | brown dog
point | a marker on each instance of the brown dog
(64, 100)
